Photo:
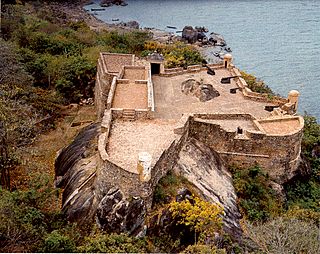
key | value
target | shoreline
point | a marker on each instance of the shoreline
(75, 12)
(208, 52)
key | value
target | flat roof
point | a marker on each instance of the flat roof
(130, 96)
(135, 74)
(115, 62)
(280, 126)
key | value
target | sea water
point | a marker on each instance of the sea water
(276, 40)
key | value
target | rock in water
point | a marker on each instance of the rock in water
(189, 34)
(130, 24)
(217, 39)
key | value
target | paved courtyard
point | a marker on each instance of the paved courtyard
(128, 139)
(171, 102)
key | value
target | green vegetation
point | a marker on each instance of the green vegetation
(176, 55)
(167, 188)
(256, 85)
(257, 200)
(115, 243)
(201, 216)
(304, 191)
(283, 235)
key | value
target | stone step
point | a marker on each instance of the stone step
(129, 114)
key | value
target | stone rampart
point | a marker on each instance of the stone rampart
(250, 95)
(275, 153)
(190, 69)
(111, 93)
(150, 93)
(102, 87)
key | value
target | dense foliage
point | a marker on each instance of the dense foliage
(256, 85)
(304, 191)
(257, 199)
(176, 55)
(201, 216)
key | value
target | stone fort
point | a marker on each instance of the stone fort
(145, 114)
(149, 114)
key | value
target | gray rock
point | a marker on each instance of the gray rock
(189, 34)
(130, 24)
(115, 213)
(204, 168)
(217, 39)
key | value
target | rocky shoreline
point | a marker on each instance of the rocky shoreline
(212, 46)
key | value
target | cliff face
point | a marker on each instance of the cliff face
(204, 168)
(75, 169)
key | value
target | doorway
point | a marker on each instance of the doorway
(155, 68)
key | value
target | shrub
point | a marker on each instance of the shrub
(77, 80)
(257, 199)
(114, 243)
(304, 192)
(256, 85)
(56, 242)
(167, 188)
(201, 216)
(176, 55)
(282, 235)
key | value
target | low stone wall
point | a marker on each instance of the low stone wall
(150, 93)
(117, 113)
(102, 88)
(273, 152)
(111, 92)
(190, 69)
(110, 175)
(260, 97)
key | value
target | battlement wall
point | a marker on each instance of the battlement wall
(276, 153)
(190, 69)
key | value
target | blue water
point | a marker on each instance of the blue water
(276, 40)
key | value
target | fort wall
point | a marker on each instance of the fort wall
(277, 154)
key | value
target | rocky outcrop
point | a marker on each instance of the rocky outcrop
(204, 92)
(189, 34)
(117, 214)
(119, 202)
(107, 3)
(75, 169)
(130, 24)
(204, 168)
(217, 39)
(89, 194)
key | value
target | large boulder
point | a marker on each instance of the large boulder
(217, 39)
(117, 214)
(204, 168)
(75, 169)
(204, 92)
(189, 34)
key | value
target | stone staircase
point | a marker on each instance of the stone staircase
(129, 114)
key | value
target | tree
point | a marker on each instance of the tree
(201, 216)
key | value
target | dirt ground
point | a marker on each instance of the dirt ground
(38, 158)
